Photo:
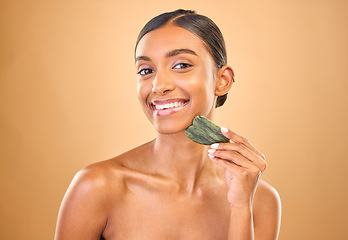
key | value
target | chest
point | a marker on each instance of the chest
(166, 217)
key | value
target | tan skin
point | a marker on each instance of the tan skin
(171, 187)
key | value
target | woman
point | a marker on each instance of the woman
(172, 187)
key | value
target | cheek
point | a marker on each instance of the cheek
(202, 85)
(143, 90)
(205, 92)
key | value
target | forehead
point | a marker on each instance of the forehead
(168, 38)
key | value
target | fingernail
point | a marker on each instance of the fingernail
(211, 151)
(215, 145)
(211, 156)
(223, 129)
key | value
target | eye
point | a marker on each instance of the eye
(182, 66)
(145, 71)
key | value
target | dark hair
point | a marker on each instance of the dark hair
(199, 25)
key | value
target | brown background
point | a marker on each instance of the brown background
(68, 99)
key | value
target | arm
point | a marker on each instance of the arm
(254, 214)
(262, 221)
(82, 214)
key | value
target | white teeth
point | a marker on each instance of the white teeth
(169, 105)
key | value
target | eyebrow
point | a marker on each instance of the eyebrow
(180, 51)
(170, 54)
(142, 58)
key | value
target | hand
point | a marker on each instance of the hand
(243, 167)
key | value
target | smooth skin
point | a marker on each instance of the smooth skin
(172, 188)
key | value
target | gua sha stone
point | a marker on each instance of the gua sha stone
(204, 131)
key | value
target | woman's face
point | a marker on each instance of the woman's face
(176, 78)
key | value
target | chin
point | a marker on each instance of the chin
(171, 127)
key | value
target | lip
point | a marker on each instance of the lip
(165, 107)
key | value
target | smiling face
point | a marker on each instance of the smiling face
(176, 78)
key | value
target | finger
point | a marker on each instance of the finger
(234, 137)
(234, 157)
(230, 166)
(241, 149)
(235, 168)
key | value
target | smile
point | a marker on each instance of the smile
(167, 107)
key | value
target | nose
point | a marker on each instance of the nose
(162, 84)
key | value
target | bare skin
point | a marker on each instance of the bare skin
(171, 187)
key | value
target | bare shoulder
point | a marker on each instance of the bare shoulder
(109, 174)
(266, 194)
(91, 195)
(99, 177)
(267, 210)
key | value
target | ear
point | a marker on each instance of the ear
(225, 79)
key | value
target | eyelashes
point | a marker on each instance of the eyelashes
(181, 65)
(145, 71)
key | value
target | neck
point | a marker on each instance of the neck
(182, 161)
